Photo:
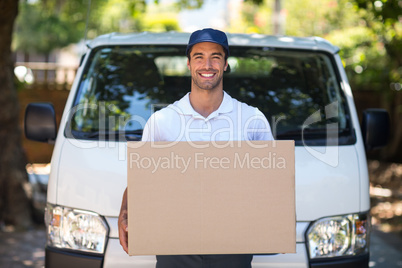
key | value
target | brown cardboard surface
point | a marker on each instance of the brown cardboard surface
(228, 200)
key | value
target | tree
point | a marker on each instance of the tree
(369, 35)
(58, 22)
(46, 25)
(383, 20)
(302, 17)
(371, 51)
(14, 205)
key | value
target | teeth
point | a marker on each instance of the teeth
(207, 75)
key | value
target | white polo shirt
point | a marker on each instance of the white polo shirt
(232, 121)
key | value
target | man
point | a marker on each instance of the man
(207, 113)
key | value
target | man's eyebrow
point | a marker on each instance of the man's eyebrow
(217, 53)
(198, 54)
(213, 54)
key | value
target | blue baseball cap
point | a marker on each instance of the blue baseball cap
(208, 35)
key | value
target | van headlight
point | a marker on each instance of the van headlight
(75, 229)
(339, 236)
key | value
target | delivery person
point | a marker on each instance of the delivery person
(206, 113)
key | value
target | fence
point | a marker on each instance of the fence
(50, 75)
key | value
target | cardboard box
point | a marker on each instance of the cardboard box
(228, 198)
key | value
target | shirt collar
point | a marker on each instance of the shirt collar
(184, 106)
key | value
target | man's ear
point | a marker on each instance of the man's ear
(188, 64)
(226, 65)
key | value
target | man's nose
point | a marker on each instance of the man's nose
(208, 63)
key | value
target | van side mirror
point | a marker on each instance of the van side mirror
(40, 122)
(375, 128)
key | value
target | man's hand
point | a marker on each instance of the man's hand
(123, 223)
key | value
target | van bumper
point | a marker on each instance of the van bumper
(353, 262)
(65, 259)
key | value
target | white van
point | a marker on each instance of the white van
(298, 83)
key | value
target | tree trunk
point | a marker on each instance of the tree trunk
(14, 204)
(278, 19)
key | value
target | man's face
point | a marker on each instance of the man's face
(207, 64)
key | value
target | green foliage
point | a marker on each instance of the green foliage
(301, 17)
(255, 2)
(160, 23)
(364, 57)
(307, 18)
(371, 48)
(256, 17)
(160, 18)
(116, 16)
(382, 10)
(189, 4)
(368, 32)
(44, 27)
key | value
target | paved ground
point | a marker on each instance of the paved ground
(26, 249)
(386, 250)
(23, 249)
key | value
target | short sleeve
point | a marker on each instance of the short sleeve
(149, 133)
(259, 127)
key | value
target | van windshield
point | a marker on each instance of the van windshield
(298, 91)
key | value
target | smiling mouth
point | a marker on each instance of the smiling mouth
(207, 75)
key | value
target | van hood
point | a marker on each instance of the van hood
(93, 176)
(326, 188)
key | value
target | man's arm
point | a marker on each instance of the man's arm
(261, 130)
(123, 223)
(123, 216)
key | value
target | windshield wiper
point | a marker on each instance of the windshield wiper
(131, 135)
(313, 132)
